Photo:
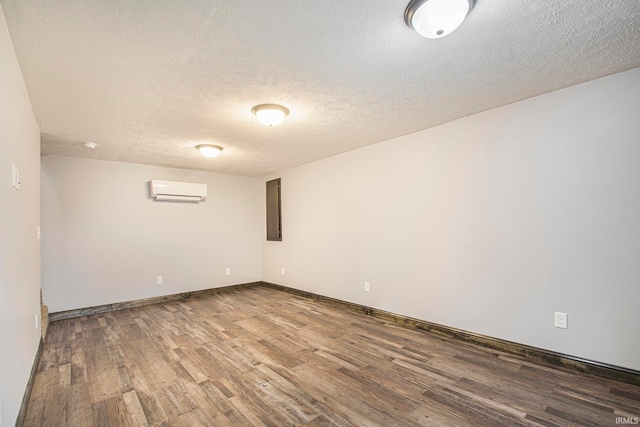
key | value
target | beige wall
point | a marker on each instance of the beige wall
(489, 224)
(19, 219)
(105, 241)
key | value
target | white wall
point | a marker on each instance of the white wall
(19, 219)
(105, 241)
(488, 224)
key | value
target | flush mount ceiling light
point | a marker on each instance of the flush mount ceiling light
(270, 114)
(209, 150)
(91, 145)
(436, 18)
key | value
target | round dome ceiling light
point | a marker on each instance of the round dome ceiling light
(436, 18)
(209, 150)
(270, 114)
(91, 145)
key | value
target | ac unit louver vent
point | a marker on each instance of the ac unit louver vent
(177, 191)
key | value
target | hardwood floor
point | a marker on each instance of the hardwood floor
(267, 358)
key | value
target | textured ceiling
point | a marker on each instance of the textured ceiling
(147, 80)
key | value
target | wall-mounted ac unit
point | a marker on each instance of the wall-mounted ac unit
(177, 191)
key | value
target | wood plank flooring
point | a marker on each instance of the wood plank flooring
(261, 357)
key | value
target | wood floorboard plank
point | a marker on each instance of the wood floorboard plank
(291, 385)
(134, 408)
(78, 409)
(571, 410)
(313, 338)
(105, 382)
(261, 357)
(246, 391)
(472, 412)
(339, 360)
(99, 415)
(207, 406)
(55, 411)
(361, 407)
(488, 401)
(397, 401)
(152, 408)
(49, 357)
(229, 356)
(243, 360)
(193, 370)
(254, 350)
(177, 396)
(171, 411)
(397, 384)
(589, 396)
(381, 347)
(44, 384)
(547, 422)
(585, 404)
(416, 381)
(144, 380)
(65, 375)
(248, 413)
(356, 352)
(278, 355)
(276, 398)
(223, 404)
(78, 364)
(435, 414)
(217, 364)
(634, 396)
(423, 374)
(195, 418)
(117, 412)
(573, 417)
(524, 399)
(489, 362)
(320, 421)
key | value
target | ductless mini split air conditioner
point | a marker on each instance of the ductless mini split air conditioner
(177, 191)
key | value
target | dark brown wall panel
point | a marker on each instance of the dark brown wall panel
(274, 214)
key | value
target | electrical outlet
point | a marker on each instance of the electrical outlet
(227, 272)
(367, 287)
(37, 321)
(282, 271)
(158, 280)
(560, 320)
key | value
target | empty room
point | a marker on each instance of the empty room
(320, 213)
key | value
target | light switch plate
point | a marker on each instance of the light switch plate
(15, 178)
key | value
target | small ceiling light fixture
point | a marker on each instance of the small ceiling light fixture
(436, 18)
(209, 150)
(91, 145)
(270, 114)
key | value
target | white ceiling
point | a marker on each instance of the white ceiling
(147, 80)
